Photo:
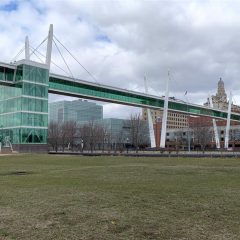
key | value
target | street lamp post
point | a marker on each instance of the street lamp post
(127, 140)
(189, 140)
(81, 144)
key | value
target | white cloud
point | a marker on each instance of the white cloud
(121, 41)
(120, 111)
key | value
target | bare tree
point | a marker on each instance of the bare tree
(103, 136)
(202, 134)
(90, 134)
(178, 140)
(54, 135)
(71, 131)
(62, 135)
(84, 132)
(137, 131)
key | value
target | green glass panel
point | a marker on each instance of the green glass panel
(12, 134)
(33, 119)
(6, 74)
(19, 73)
(35, 90)
(31, 135)
(9, 92)
(10, 120)
(34, 105)
(35, 74)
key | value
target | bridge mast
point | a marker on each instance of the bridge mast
(214, 126)
(49, 46)
(228, 121)
(150, 122)
(27, 54)
(165, 113)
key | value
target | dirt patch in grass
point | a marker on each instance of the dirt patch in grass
(16, 173)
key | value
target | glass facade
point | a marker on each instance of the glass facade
(24, 105)
(6, 74)
(77, 110)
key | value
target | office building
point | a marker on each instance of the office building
(79, 111)
(175, 120)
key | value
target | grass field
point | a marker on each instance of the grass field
(61, 197)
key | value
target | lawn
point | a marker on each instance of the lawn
(63, 197)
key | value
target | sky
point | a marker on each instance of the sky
(122, 41)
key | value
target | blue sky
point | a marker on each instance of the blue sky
(8, 7)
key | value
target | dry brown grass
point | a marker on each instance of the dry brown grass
(118, 198)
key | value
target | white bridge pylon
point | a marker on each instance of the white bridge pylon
(165, 114)
(150, 121)
(226, 142)
(214, 126)
(49, 47)
(27, 52)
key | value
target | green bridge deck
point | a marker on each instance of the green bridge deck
(67, 86)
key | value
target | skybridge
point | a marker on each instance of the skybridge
(24, 88)
(67, 86)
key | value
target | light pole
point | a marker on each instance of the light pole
(127, 140)
(81, 144)
(189, 140)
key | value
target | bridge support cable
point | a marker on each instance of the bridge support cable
(90, 74)
(214, 126)
(35, 53)
(18, 54)
(226, 143)
(42, 55)
(35, 49)
(150, 121)
(63, 59)
(165, 114)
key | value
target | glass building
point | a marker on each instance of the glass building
(24, 104)
(118, 129)
(80, 111)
